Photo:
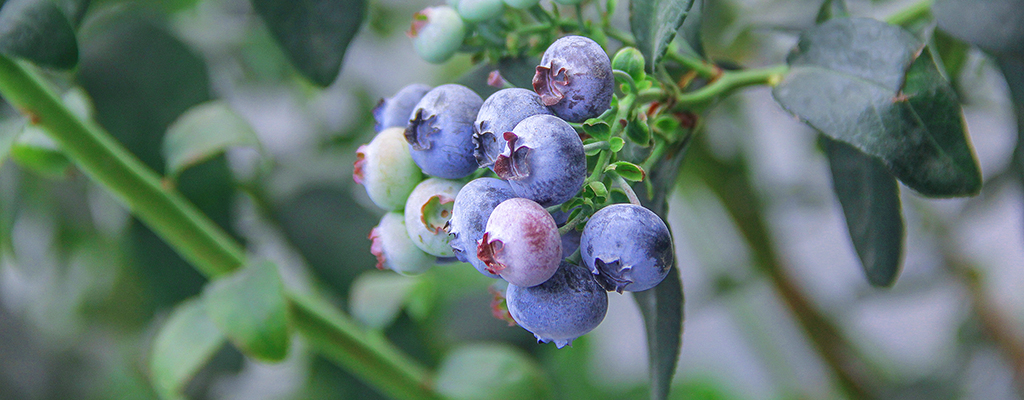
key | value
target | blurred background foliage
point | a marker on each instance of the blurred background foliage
(84, 287)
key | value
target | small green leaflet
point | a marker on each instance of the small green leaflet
(654, 24)
(627, 170)
(875, 86)
(184, 345)
(203, 132)
(250, 308)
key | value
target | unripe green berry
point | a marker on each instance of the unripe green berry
(394, 249)
(480, 10)
(386, 168)
(437, 33)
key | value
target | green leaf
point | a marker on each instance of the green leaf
(202, 132)
(630, 61)
(597, 129)
(831, 9)
(250, 308)
(662, 309)
(871, 85)
(870, 199)
(627, 170)
(184, 344)
(654, 24)
(600, 190)
(690, 31)
(616, 144)
(9, 130)
(377, 297)
(491, 372)
(996, 26)
(38, 31)
(35, 151)
(639, 132)
(952, 52)
(314, 33)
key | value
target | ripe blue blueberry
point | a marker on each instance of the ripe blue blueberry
(440, 131)
(499, 114)
(561, 309)
(437, 33)
(385, 168)
(543, 160)
(427, 211)
(575, 78)
(394, 249)
(479, 10)
(394, 111)
(472, 208)
(628, 247)
(521, 243)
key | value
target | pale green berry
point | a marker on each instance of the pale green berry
(480, 10)
(386, 169)
(427, 210)
(437, 33)
(394, 249)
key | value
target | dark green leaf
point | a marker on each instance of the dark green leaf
(831, 9)
(202, 132)
(654, 24)
(996, 26)
(597, 129)
(314, 33)
(627, 170)
(38, 31)
(952, 52)
(250, 308)
(639, 132)
(491, 372)
(662, 309)
(871, 85)
(184, 344)
(870, 199)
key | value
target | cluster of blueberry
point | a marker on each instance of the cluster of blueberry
(503, 227)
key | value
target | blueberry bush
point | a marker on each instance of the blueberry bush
(194, 195)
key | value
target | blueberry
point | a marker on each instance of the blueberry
(437, 33)
(521, 243)
(479, 10)
(543, 160)
(427, 211)
(440, 131)
(575, 79)
(393, 248)
(561, 309)
(470, 212)
(394, 111)
(628, 247)
(385, 168)
(499, 114)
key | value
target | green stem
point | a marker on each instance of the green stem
(917, 11)
(197, 239)
(698, 65)
(602, 162)
(602, 145)
(729, 82)
(621, 183)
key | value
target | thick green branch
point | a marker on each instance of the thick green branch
(197, 239)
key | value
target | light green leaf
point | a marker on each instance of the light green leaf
(616, 144)
(662, 309)
(314, 33)
(250, 308)
(491, 372)
(871, 85)
(654, 24)
(600, 190)
(37, 30)
(639, 132)
(377, 297)
(627, 170)
(870, 199)
(202, 132)
(996, 26)
(597, 129)
(184, 344)
(35, 151)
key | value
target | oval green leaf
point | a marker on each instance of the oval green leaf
(874, 86)
(202, 132)
(627, 170)
(37, 30)
(313, 33)
(870, 199)
(654, 24)
(662, 309)
(491, 372)
(184, 344)
(250, 308)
